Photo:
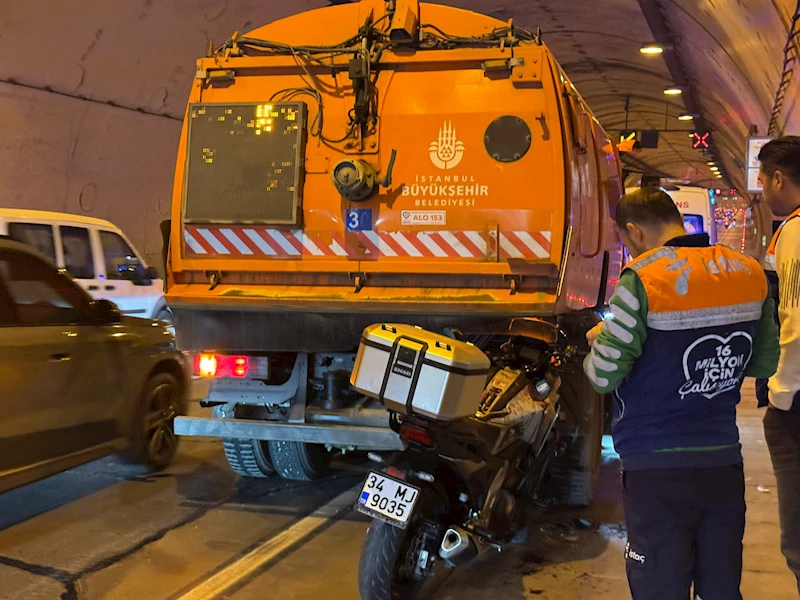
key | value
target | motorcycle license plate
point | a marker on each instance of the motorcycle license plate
(387, 499)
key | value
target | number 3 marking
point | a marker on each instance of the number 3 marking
(353, 219)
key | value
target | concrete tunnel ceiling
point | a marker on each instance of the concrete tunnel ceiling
(92, 93)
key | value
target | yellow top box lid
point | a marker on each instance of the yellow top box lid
(441, 349)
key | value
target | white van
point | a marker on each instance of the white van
(697, 205)
(96, 254)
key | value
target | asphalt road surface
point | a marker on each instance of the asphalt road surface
(197, 531)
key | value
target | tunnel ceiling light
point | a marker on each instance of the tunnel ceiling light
(673, 90)
(711, 163)
(652, 49)
(715, 169)
(686, 117)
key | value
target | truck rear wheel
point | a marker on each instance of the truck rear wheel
(249, 458)
(572, 475)
(300, 461)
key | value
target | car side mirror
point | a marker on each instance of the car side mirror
(105, 312)
(129, 271)
(137, 274)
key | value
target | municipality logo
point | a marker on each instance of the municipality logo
(447, 151)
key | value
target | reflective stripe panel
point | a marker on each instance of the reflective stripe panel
(705, 317)
(606, 351)
(649, 259)
(619, 332)
(256, 242)
(623, 317)
(602, 364)
(193, 244)
(593, 376)
(627, 297)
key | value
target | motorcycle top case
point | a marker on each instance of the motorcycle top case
(413, 371)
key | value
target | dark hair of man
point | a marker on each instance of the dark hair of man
(782, 154)
(649, 206)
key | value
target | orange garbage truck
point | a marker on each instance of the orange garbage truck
(378, 161)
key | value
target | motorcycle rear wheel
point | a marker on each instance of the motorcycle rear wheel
(386, 570)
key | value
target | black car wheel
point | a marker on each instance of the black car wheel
(152, 439)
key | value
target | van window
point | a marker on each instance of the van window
(34, 234)
(77, 252)
(693, 224)
(116, 252)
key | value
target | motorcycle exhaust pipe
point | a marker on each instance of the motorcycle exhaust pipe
(458, 547)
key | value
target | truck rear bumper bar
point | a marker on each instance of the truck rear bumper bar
(364, 438)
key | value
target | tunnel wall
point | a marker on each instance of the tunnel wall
(67, 155)
(63, 145)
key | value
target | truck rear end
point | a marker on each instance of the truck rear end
(373, 162)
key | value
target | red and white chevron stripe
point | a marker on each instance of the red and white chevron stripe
(287, 244)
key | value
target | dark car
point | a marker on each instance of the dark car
(77, 380)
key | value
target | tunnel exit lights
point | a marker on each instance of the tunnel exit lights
(652, 49)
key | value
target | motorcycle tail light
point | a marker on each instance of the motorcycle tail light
(396, 473)
(416, 435)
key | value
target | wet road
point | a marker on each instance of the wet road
(110, 531)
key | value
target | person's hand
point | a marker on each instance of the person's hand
(593, 333)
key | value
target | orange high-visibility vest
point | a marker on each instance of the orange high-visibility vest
(774, 242)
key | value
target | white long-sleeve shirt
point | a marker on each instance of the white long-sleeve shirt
(786, 382)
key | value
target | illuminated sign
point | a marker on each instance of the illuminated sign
(700, 139)
(627, 141)
(754, 145)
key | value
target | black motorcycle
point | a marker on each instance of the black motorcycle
(461, 487)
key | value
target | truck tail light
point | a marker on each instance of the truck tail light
(220, 365)
(239, 366)
(205, 365)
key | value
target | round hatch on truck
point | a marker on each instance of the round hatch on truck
(354, 179)
(507, 139)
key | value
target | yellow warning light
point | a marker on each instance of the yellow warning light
(207, 365)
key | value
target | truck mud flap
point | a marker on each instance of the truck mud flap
(367, 438)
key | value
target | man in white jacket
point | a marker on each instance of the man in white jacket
(780, 176)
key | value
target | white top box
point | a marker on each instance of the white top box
(414, 371)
